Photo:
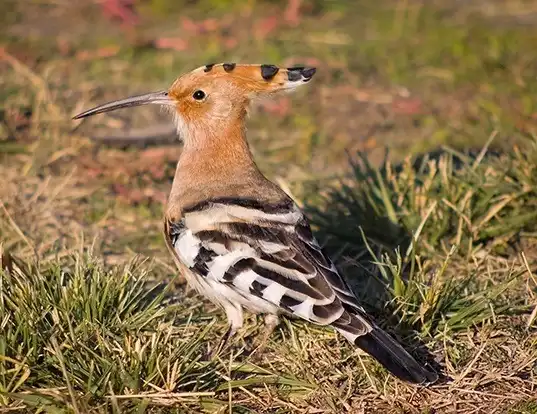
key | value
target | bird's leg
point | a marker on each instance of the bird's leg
(235, 320)
(223, 341)
(271, 322)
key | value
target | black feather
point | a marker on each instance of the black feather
(394, 358)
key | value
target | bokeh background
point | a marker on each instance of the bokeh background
(399, 83)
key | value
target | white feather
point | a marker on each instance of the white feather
(304, 309)
(274, 292)
(221, 264)
(220, 214)
(244, 280)
(270, 247)
(187, 247)
(349, 336)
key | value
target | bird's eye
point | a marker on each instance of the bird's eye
(198, 95)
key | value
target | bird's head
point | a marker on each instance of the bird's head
(214, 96)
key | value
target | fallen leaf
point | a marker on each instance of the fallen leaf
(63, 46)
(265, 27)
(174, 43)
(210, 25)
(128, 194)
(155, 154)
(158, 172)
(308, 61)
(407, 106)
(370, 143)
(292, 12)
(230, 43)
(122, 10)
(156, 195)
(190, 26)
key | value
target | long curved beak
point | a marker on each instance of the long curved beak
(158, 98)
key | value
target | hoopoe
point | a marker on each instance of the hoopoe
(238, 239)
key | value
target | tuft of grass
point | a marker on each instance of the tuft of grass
(425, 243)
(447, 198)
(427, 296)
(526, 407)
(79, 336)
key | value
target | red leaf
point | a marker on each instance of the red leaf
(190, 26)
(63, 46)
(230, 43)
(292, 12)
(407, 106)
(174, 43)
(155, 154)
(210, 25)
(265, 27)
(122, 10)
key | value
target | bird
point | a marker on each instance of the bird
(238, 238)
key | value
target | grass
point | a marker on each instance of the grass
(452, 198)
(435, 212)
(85, 336)
(439, 245)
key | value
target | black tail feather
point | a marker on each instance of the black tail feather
(394, 358)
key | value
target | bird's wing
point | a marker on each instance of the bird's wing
(267, 251)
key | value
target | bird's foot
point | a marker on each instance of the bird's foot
(223, 343)
(271, 322)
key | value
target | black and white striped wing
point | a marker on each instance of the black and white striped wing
(267, 252)
(265, 258)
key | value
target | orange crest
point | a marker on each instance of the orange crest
(249, 79)
(212, 93)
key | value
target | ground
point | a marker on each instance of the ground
(438, 236)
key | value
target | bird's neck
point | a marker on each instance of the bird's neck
(214, 163)
(215, 151)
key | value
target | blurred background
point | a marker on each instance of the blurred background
(411, 76)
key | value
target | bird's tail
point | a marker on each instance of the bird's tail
(385, 350)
